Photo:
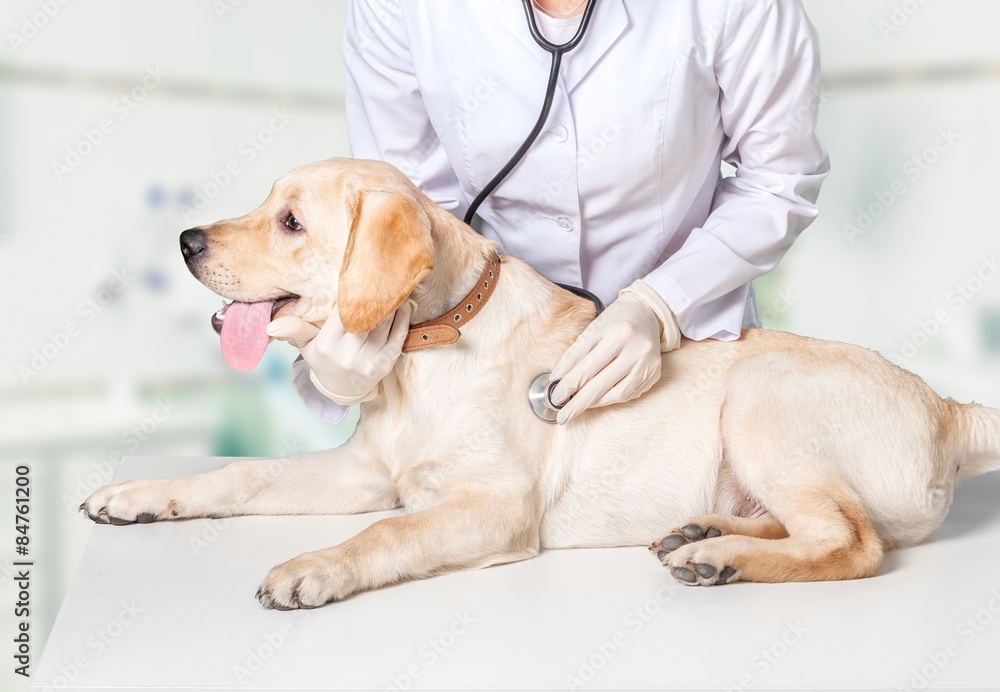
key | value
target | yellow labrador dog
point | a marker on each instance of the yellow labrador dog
(778, 458)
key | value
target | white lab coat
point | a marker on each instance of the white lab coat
(623, 183)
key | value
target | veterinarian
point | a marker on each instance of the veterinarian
(620, 193)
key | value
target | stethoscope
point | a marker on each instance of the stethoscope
(557, 51)
(540, 390)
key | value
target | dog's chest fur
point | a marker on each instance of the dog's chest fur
(455, 429)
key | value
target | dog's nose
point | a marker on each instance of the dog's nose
(192, 243)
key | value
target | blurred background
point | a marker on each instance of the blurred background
(125, 122)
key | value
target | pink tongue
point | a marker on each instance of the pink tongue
(244, 335)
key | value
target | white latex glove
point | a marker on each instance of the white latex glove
(346, 368)
(617, 357)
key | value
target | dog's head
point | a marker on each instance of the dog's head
(341, 234)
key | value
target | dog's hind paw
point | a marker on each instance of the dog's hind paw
(688, 533)
(697, 561)
(703, 574)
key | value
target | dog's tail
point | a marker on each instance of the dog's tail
(976, 430)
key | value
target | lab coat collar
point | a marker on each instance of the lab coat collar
(607, 24)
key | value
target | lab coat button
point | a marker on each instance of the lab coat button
(559, 133)
(565, 223)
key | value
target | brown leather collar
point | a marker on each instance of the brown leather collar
(444, 329)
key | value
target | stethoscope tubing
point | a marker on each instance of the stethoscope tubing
(557, 51)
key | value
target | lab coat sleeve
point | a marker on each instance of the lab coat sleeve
(386, 117)
(768, 70)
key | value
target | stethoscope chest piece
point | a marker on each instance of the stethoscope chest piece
(540, 398)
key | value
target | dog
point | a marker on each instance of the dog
(776, 457)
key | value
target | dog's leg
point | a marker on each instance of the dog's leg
(828, 538)
(715, 525)
(466, 532)
(794, 457)
(337, 481)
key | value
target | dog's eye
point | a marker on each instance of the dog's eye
(292, 223)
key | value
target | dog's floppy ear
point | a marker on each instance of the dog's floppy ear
(389, 250)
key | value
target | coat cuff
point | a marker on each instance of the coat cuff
(323, 407)
(720, 319)
(342, 400)
(670, 332)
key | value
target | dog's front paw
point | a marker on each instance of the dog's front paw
(307, 581)
(132, 502)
